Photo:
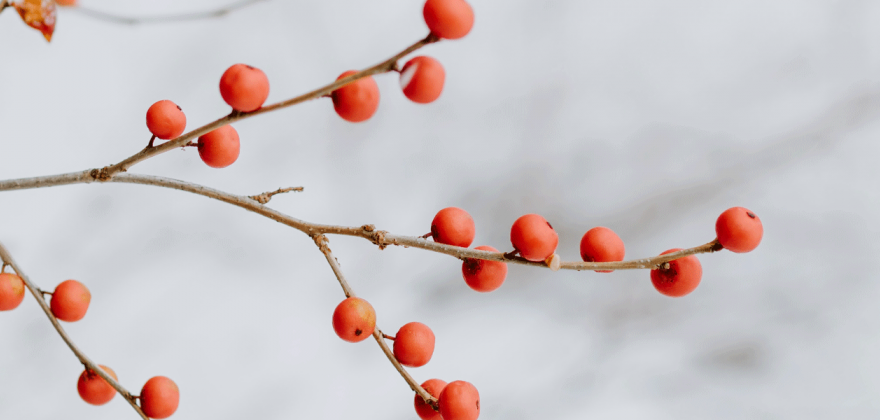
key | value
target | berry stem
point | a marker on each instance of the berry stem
(388, 337)
(106, 173)
(266, 196)
(150, 144)
(37, 293)
(321, 241)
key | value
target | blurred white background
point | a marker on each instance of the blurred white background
(648, 117)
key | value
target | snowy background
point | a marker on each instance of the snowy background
(648, 117)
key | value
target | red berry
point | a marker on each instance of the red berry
(450, 19)
(219, 148)
(166, 120)
(70, 301)
(534, 237)
(358, 100)
(93, 389)
(459, 401)
(354, 319)
(453, 226)
(414, 344)
(244, 88)
(11, 291)
(424, 410)
(601, 244)
(739, 230)
(483, 275)
(681, 278)
(422, 79)
(159, 397)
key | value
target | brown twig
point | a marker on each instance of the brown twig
(209, 14)
(321, 241)
(379, 237)
(266, 196)
(107, 172)
(4, 4)
(7, 259)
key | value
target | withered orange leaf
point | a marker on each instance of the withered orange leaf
(38, 14)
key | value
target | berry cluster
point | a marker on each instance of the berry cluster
(245, 88)
(70, 302)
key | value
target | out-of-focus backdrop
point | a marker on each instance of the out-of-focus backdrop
(650, 118)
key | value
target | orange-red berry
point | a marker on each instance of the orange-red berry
(358, 100)
(424, 410)
(219, 148)
(739, 230)
(166, 120)
(459, 401)
(483, 275)
(244, 88)
(601, 244)
(159, 397)
(534, 237)
(414, 344)
(11, 291)
(422, 79)
(450, 19)
(354, 319)
(681, 278)
(453, 226)
(93, 389)
(70, 301)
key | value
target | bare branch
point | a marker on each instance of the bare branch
(266, 196)
(104, 174)
(379, 237)
(38, 294)
(209, 14)
(321, 241)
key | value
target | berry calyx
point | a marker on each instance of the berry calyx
(483, 275)
(354, 319)
(739, 230)
(601, 244)
(425, 410)
(219, 148)
(11, 291)
(459, 401)
(358, 100)
(414, 344)
(680, 278)
(422, 79)
(93, 389)
(244, 88)
(450, 19)
(453, 226)
(534, 237)
(166, 120)
(159, 397)
(70, 301)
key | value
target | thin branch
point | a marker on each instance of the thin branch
(266, 196)
(4, 4)
(108, 172)
(7, 260)
(209, 14)
(379, 237)
(321, 241)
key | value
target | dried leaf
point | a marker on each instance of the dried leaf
(38, 14)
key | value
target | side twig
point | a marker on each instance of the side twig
(7, 260)
(209, 14)
(322, 242)
(266, 196)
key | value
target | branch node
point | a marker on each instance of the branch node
(368, 228)
(511, 255)
(554, 262)
(266, 196)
